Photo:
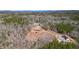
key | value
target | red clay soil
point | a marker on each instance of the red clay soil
(38, 32)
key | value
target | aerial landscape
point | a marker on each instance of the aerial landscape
(42, 29)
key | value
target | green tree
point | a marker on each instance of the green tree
(64, 28)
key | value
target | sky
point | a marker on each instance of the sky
(39, 4)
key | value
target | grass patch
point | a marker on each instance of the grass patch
(15, 20)
(56, 45)
(64, 28)
(75, 17)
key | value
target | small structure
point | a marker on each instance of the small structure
(63, 38)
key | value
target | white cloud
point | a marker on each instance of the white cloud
(38, 4)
